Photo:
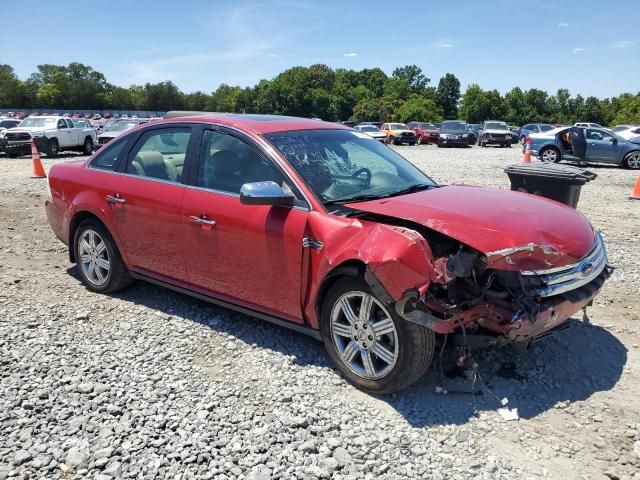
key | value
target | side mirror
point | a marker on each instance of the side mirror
(264, 193)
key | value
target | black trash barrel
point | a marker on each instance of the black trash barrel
(557, 182)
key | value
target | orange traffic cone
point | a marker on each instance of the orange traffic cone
(635, 194)
(527, 151)
(38, 169)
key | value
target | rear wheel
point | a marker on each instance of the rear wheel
(550, 155)
(98, 259)
(87, 146)
(632, 161)
(372, 347)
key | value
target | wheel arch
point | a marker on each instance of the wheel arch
(348, 268)
(550, 146)
(77, 219)
(624, 157)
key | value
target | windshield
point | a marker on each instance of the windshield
(32, 122)
(369, 128)
(546, 128)
(8, 123)
(397, 126)
(426, 126)
(496, 126)
(453, 126)
(122, 126)
(339, 165)
(620, 128)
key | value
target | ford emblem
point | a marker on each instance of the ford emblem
(586, 269)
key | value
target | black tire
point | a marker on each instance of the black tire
(631, 161)
(549, 151)
(53, 148)
(87, 146)
(415, 344)
(117, 277)
(439, 144)
(507, 145)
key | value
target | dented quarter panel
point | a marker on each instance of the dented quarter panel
(400, 258)
(516, 231)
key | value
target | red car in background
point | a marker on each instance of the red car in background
(426, 132)
(323, 229)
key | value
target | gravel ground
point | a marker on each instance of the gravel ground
(153, 384)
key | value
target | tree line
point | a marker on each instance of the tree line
(318, 91)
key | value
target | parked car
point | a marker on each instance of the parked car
(426, 132)
(627, 131)
(117, 128)
(587, 125)
(50, 134)
(7, 123)
(602, 146)
(375, 124)
(533, 128)
(372, 131)
(313, 226)
(453, 133)
(495, 133)
(399, 133)
(473, 135)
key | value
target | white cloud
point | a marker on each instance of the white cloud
(577, 50)
(620, 44)
(445, 45)
(562, 25)
(350, 54)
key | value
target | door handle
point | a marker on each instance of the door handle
(115, 198)
(202, 220)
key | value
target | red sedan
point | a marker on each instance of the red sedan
(325, 230)
(426, 132)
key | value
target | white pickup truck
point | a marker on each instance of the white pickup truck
(51, 134)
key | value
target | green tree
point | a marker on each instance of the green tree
(10, 87)
(413, 75)
(448, 95)
(196, 101)
(418, 108)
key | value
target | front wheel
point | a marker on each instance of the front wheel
(632, 161)
(550, 155)
(373, 348)
(53, 148)
(98, 259)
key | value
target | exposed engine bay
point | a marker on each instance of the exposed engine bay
(491, 305)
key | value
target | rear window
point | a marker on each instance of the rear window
(546, 128)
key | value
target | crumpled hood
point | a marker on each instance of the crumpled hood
(516, 231)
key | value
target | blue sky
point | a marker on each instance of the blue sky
(590, 47)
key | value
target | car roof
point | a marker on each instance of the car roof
(257, 123)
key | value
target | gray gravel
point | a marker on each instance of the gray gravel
(153, 384)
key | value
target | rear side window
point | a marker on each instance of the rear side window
(107, 159)
(160, 154)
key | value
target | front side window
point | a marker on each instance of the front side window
(107, 158)
(160, 154)
(227, 163)
(341, 165)
(62, 124)
(598, 135)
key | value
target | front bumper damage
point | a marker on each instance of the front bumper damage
(543, 305)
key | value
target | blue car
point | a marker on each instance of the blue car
(603, 146)
(530, 128)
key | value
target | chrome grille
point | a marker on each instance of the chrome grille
(563, 279)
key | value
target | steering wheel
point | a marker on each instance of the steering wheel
(360, 171)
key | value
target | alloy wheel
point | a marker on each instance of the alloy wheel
(364, 334)
(94, 257)
(549, 156)
(633, 160)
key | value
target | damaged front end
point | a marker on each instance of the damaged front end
(492, 298)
